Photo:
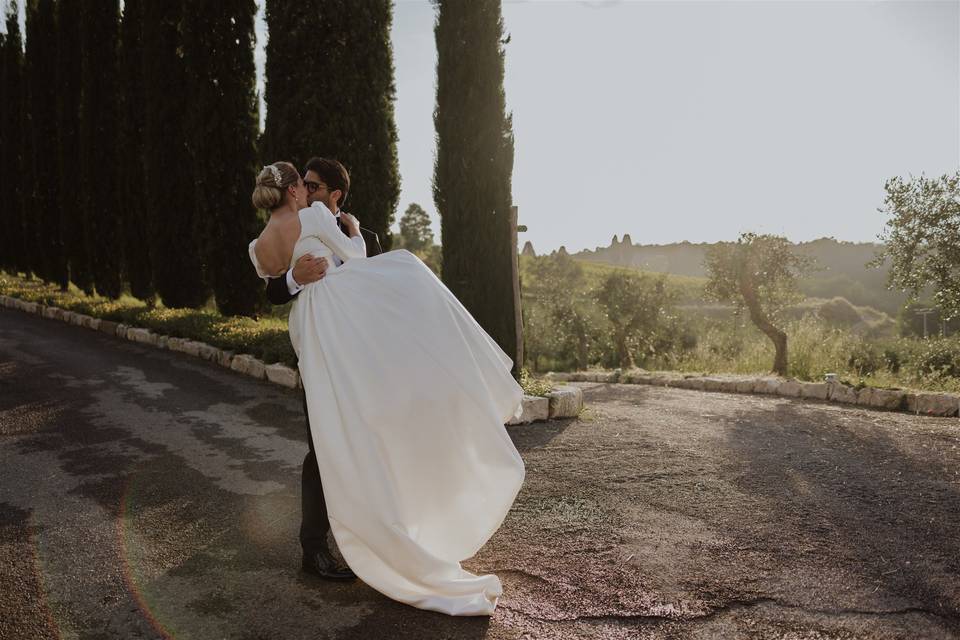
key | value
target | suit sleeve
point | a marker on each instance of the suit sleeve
(277, 291)
(372, 240)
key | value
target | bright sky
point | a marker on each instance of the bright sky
(681, 120)
(695, 121)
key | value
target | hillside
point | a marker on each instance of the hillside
(841, 267)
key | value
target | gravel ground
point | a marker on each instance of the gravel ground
(145, 494)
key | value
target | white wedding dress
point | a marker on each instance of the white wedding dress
(407, 397)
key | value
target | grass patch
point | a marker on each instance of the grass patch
(816, 348)
(264, 338)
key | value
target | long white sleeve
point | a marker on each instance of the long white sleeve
(325, 227)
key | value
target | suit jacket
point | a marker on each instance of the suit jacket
(277, 292)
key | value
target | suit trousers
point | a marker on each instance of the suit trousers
(314, 523)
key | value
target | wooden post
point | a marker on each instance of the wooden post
(518, 316)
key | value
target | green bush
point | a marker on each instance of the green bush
(891, 359)
(939, 357)
(533, 386)
(865, 359)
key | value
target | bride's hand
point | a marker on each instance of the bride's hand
(351, 221)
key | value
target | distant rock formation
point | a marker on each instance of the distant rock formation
(528, 249)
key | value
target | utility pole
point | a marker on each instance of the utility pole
(515, 264)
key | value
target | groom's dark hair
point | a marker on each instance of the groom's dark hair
(333, 173)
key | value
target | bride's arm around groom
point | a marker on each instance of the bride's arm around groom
(318, 221)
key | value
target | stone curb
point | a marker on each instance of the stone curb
(916, 402)
(563, 402)
(535, 409)
(283, 375)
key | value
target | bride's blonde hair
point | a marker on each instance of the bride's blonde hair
(272, 182)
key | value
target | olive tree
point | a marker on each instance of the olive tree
(758, 273)
(636, 308)
(921, 239)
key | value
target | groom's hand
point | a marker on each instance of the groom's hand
(309, 269)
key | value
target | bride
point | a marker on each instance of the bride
(407, 396)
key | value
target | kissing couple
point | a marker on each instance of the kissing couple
(406, 396)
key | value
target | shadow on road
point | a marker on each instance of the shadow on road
(527, 437)
(858, 500)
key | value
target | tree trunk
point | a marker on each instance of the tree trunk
(582, 351)
(623, 353)
(759, 318)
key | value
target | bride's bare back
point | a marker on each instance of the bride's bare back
(274, 247)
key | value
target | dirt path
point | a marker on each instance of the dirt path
(148, 495)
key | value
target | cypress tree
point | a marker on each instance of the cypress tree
(178, 273)
(6, 257)
(367, 141)
(11, 144)
(76, 232)
(330, 92)
(287, 65)
(136, 237)
(100, 201)
(43, 237)
(473, 167)
(218, 41)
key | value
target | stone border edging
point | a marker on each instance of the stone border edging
(563, 402)
(917, 402)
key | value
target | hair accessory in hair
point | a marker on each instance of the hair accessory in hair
(275, 172)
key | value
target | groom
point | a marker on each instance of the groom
(327, 181)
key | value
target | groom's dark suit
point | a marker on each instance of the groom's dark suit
(314, 524)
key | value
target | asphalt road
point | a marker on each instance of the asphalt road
(146, 494)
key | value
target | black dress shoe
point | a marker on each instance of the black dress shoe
(323, 565)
